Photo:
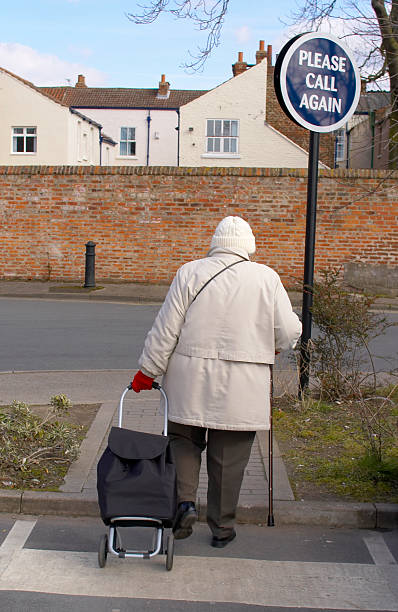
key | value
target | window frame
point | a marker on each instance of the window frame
(340, 145)
(24, 135)
(222, 137)
(127, 141)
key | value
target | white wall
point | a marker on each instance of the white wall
(83, 142)
(162, 134)
(108, 154)
(242, 97)
(59, 133)
(22, 106)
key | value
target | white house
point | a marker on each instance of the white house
(230, 125)
(226, 126)
(36, 129)
(144, 122)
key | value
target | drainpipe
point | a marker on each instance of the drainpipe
(335, 152)
(100, 145)
(178, 136)
(372, 127)
(148, 135)
(347, 162)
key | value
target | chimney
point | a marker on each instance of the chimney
(269, 55)
(239, 66)
(363, 86)
(81, 81)
(261, 53)
(163, 91)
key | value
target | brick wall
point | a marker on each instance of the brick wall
(148, 221)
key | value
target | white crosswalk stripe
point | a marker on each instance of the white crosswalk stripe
(344, 586)
(14, 542)
(378, 549)
(296, 584)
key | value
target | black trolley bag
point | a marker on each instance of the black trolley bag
(136, 484)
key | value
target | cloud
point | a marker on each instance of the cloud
(243, 34)
(44, 68)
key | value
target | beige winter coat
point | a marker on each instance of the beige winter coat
(215, 352)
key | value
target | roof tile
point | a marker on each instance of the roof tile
(109, 97)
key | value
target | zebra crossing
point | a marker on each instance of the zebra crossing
(58, 557)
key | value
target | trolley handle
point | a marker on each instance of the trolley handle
(155, 385)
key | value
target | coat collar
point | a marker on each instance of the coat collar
(217, 251)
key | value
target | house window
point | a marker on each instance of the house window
(24, 140)
(340, 145)
(127, 141)
(222, 136)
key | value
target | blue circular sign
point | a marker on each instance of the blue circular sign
(317, 82)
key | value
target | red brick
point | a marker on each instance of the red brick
(145, 229)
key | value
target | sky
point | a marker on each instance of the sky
(50, 42)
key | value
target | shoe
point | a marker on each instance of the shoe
(221, 542)
(185, 518)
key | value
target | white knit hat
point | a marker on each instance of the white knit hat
(234, 232)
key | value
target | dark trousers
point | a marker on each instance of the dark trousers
(228, 453)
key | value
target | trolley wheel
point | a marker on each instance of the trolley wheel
(170, 552)
(103, 550)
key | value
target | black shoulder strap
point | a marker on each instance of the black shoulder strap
(219, 272)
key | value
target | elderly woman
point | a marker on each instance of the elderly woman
(213, 340)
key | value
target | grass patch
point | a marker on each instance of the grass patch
(327, 454)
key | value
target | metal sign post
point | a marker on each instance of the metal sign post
(317, 84)
(309, 257)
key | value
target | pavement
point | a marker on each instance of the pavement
(144, 412)
(126, 292)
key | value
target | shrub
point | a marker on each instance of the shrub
(342, 368)
(29, 443)
(341, 360)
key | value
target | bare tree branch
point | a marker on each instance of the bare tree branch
(207, 15)
(150, 12)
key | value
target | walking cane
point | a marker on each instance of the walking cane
(270, 521)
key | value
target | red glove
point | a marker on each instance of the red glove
(141, 382)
